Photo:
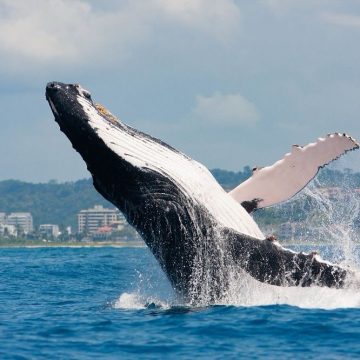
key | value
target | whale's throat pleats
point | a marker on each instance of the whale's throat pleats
(191, 177)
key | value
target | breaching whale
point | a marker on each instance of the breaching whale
(198, 233)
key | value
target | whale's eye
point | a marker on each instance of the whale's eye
(86, 94)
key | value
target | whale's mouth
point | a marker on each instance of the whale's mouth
(51, 89)
(59, 95)
(70, 104)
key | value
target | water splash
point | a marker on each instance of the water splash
(339, 208)
(243, 291)
(322, 218)
(137, 301)
(252, 293)
(150, 289)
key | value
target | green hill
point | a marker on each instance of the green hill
(50, 202)
(58, 203)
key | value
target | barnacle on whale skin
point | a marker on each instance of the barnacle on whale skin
(105, 112)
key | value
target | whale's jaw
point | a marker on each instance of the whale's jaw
(196, 231)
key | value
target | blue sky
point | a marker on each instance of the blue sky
(230, 83)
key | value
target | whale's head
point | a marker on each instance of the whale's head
(119, 158)
(66, 102)
(131, 169)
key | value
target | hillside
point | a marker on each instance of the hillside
(59, 203)
(49, 202)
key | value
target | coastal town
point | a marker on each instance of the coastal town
(94, 224)
(99, 224)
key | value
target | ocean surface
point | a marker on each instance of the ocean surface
(115, 303)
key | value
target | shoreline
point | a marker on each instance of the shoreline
(120, 244)
(123, 244)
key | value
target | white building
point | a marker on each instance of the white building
(8, 230)
(22, 221)
(91, 219)
(49, 230)
(2, 218)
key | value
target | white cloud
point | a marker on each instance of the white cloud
(225, 109)
(217, 17)
(282, 7)
(72, 30)
(308, 8)
(61, 29)
(342, 19)
(276, 4)
(34, 32)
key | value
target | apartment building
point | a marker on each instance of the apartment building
(22, 221)
(90, 220)
(49, 230)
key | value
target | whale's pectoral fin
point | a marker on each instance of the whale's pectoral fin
(268, 262)
(282, 180)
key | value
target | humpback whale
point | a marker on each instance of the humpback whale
(198, 233)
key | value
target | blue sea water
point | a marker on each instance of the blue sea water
(114, 303)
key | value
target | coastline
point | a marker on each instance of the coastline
(95, 244)
(121, 244)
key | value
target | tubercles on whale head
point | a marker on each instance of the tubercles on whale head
(105, 112)
(70, 104)
(59, 95)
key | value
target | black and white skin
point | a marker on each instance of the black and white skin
(198, 233)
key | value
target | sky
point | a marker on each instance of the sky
(229, 82)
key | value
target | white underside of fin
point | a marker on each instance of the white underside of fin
(282, 180)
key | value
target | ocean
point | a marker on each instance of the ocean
(115, 303)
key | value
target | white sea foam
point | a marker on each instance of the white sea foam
(245, 291)
(136, 301)
(256, 295)
(131, 301)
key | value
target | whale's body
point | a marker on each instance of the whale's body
(196, 231)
